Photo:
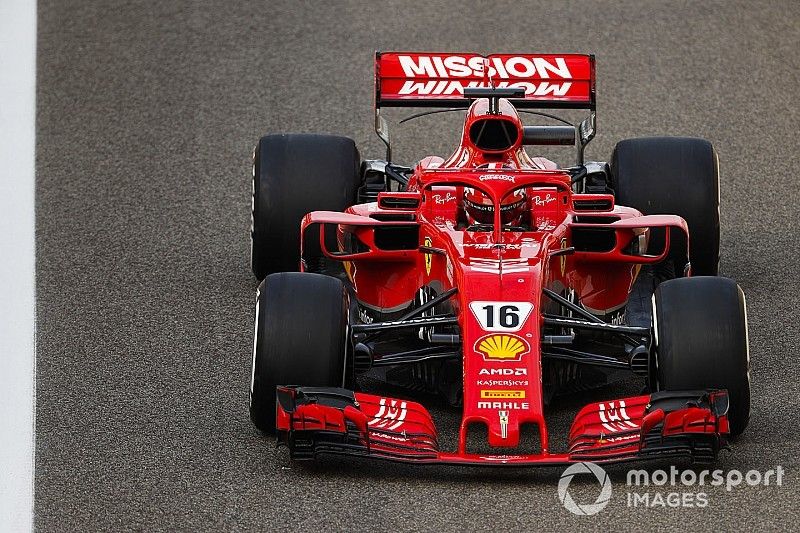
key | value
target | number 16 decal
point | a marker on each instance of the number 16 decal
(501, 316)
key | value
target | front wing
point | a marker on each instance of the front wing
(313, 421)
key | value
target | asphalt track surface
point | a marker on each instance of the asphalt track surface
(147, 113)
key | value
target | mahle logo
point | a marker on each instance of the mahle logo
(584, 509)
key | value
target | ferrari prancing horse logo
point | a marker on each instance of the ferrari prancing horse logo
(428, 256)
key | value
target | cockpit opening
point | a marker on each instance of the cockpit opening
(494, 134)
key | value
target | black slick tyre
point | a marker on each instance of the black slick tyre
(700, 326)
(294, 174)
(300, 334)
(673, 175)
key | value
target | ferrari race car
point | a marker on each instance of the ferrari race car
(497, 280)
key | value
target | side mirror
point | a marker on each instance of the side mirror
(382, 129)
(586, 129)
(548, 135)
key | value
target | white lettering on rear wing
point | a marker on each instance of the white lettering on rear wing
(407, 78)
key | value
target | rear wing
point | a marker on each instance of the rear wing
(438, 79)
(421, 79)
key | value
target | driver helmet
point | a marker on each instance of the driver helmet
(480, 210)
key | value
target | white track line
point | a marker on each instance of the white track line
(17, 265)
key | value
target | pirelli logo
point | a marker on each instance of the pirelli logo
(502, 394)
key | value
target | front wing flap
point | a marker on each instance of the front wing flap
(313, 421)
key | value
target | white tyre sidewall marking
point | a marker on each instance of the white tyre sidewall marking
(746, 332)
(253, 204)
(655, 336)
(255, 343)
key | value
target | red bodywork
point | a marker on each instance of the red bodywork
(502, 365)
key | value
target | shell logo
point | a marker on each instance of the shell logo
(502, 347)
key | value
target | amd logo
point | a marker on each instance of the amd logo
(519, 371)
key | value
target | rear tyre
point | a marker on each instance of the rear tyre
(673, 175)
(294, 174)
(300, 333)
(700, 326)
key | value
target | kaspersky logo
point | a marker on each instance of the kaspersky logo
(502, 347)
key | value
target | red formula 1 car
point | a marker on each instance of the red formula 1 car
(496, 279)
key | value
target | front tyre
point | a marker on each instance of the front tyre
(300, 334)
(700, 326)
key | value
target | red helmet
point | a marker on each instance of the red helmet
(480, 210)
